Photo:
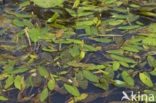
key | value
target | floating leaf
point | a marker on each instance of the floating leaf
(51, 83)
(124, 64)
(115, 51)
(153, 72)
(129, 27)
(130, 48)
(116, 22)
(18, 23)
(116, 66)
(82, 55)
(123, 59)
(48, 3)
(103, 40)
(127, 78)
(9, 81)
(149, 41)
(2, 98)
(34, 34)
(53, 18)
(44, 94)
(151, 61)
(120, 83)
(75, 51)
(72, 89)
(19, 82)
(20, 70)
(43, 71)
(88, 75)
(95, 67)
(146, 79)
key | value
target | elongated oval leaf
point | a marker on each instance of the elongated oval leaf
(91, 77)
(9, 81)
(2, 98)
(120, 83)
(48, 3)
(43, 71)
(19, 82)
(44, 95)
(123, 59)
(146, 79)
(51, 83)
(116, 66)
(72, 90)
(127, 78)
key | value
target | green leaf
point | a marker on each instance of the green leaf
(116, 22)
(123, 59)
(75, 51)
(34, 34)
(48, 3)
(124, 64)
(18, 23)
(153, 72)
(149, 41)
(127, 78)
(53, 18)
(120, 83)
(20, 70)
(129, 27)
(43, 71)
(151, 61)
(103, 40)
(2, 98)
(115, 51)
(96, 67)
(91, 77)
(116, 66)
(19, 82)
(44, 95)
(9, 81)
(89, 48)
(146, 79)
(130, 48)
(51, 83)
(72, 89)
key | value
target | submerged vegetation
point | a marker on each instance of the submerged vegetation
(64, 46)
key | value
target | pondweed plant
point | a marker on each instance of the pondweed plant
(61, 53)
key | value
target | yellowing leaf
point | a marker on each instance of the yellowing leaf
(146, 79)
(2, 98)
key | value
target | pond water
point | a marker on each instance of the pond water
(53, 55)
